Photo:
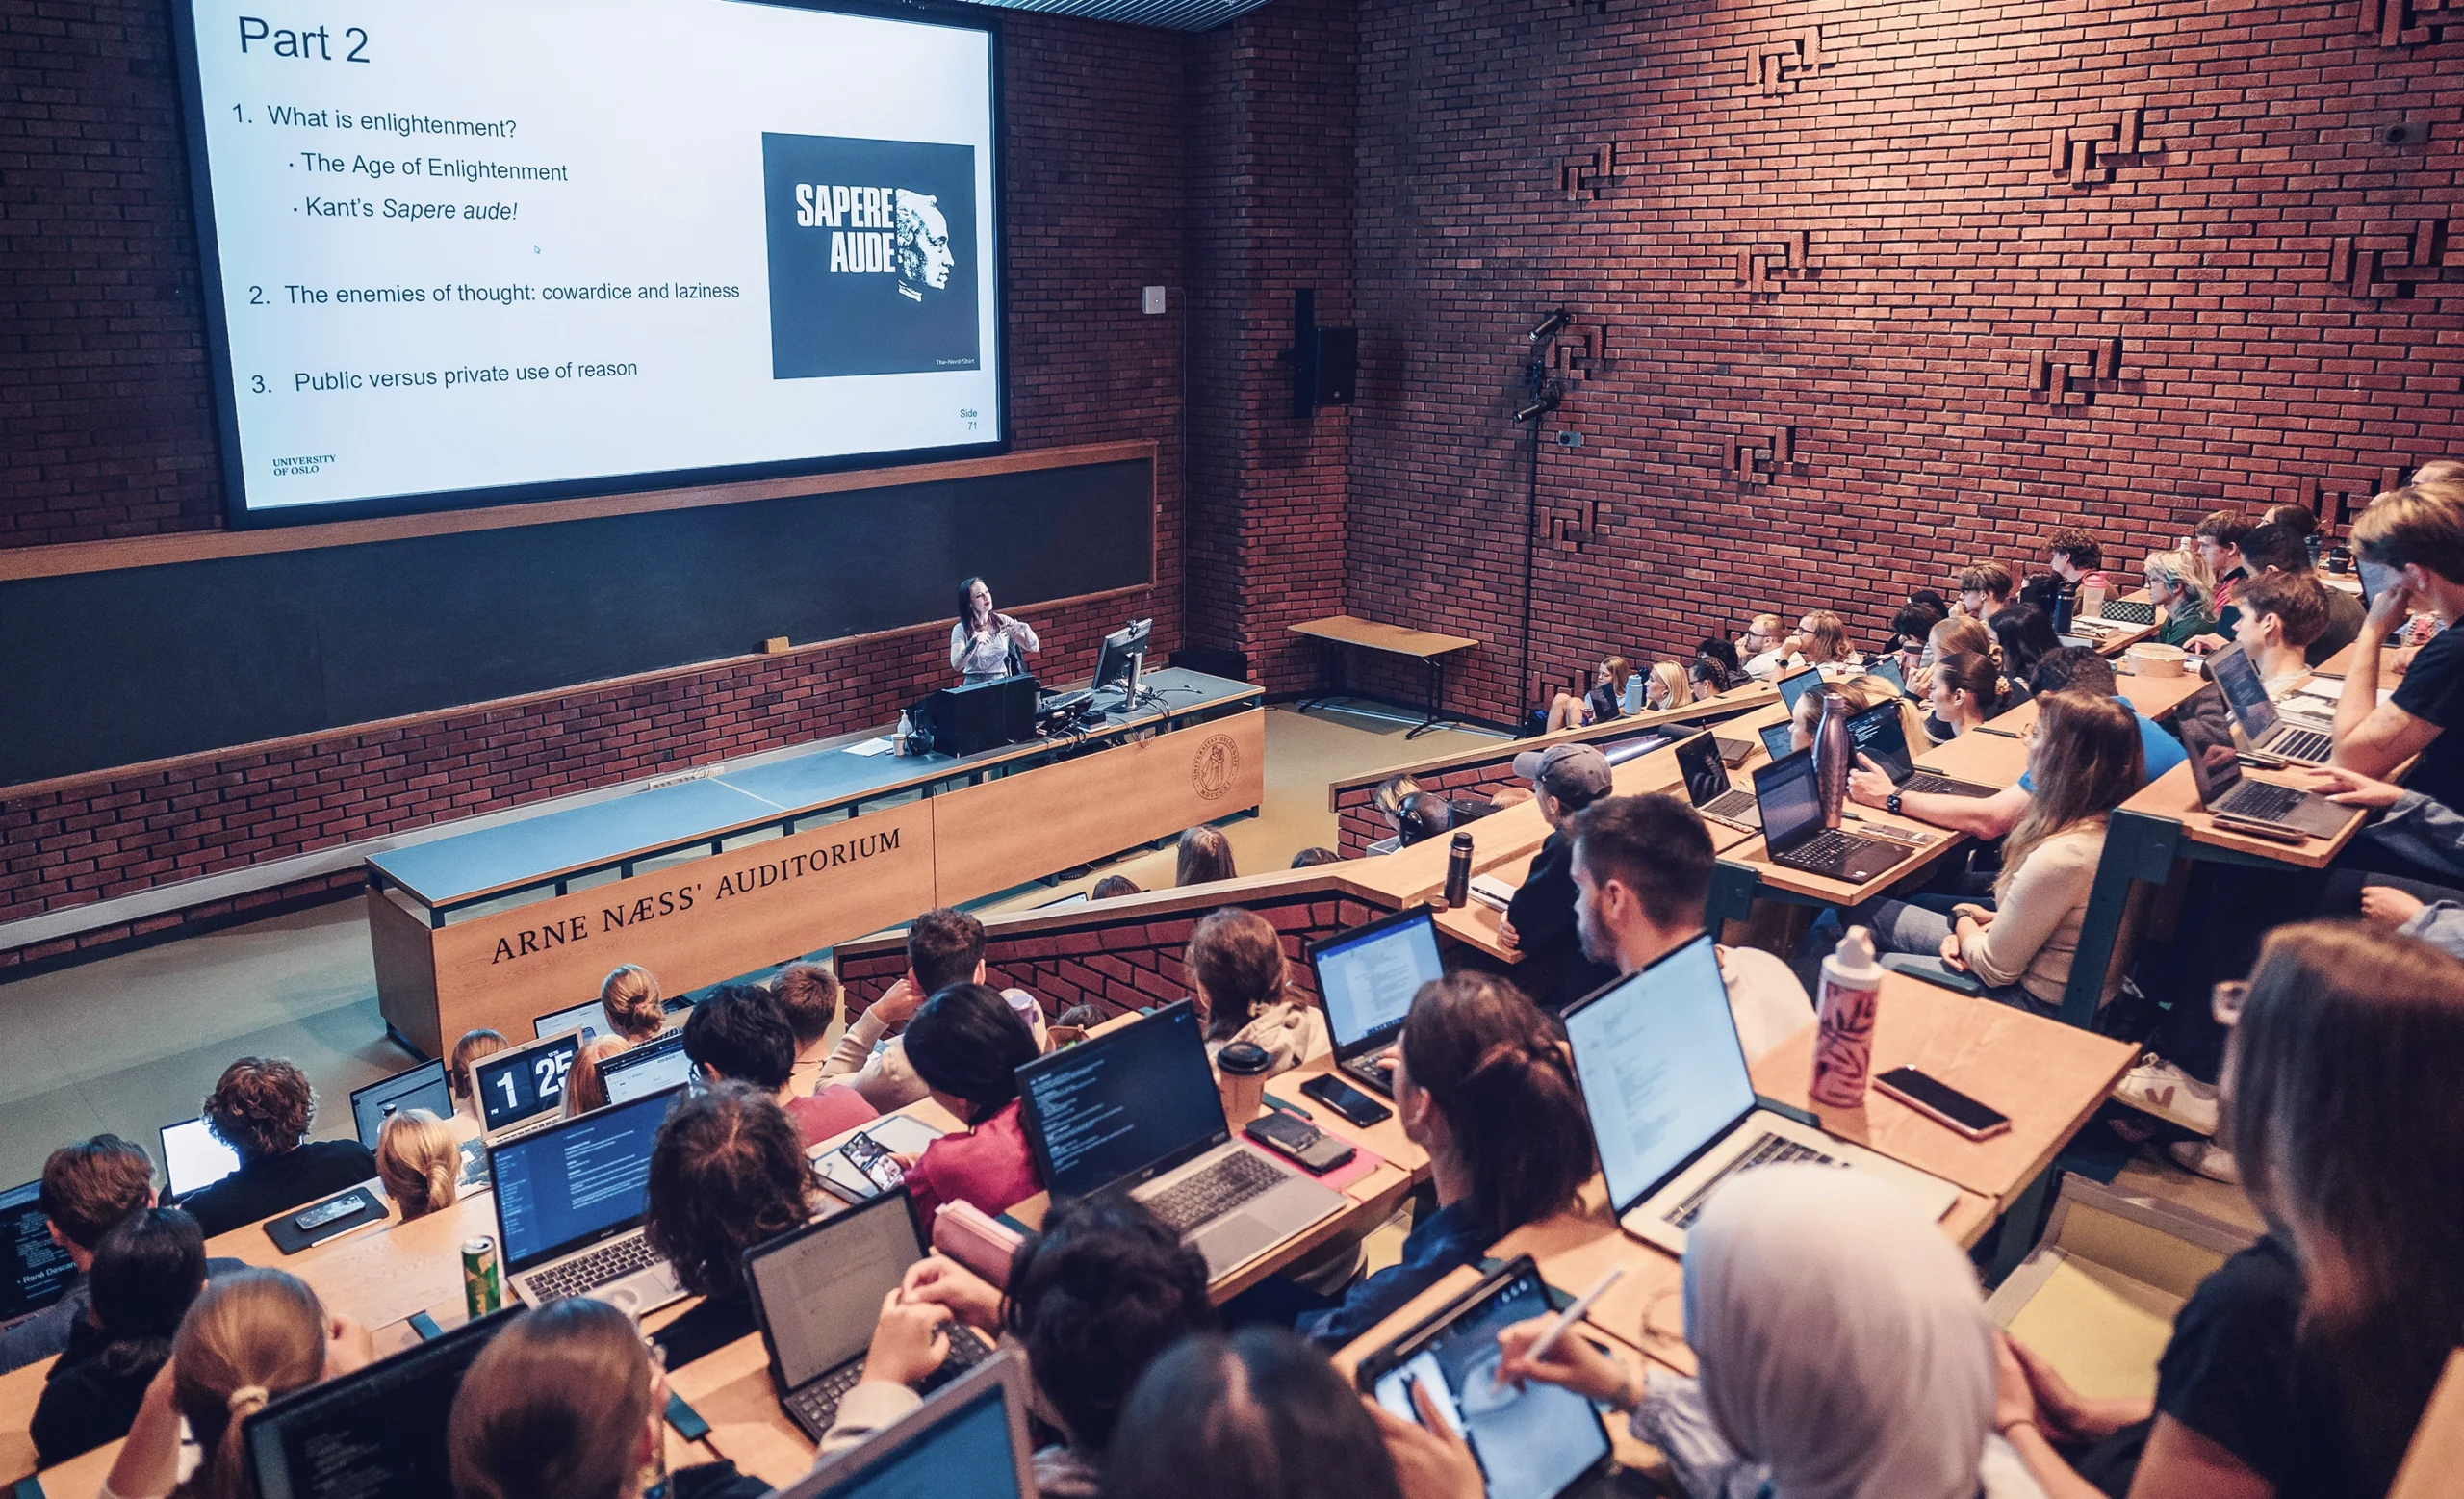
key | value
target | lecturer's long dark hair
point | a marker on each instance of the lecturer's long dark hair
(967, 604)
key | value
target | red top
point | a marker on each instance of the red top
(833, 1111)
(989, 1166)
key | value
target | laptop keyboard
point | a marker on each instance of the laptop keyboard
(602, 1266)
(1942, 785)
(816, 1407)
(2262, 801)
(1733, 805)
(1769, 1150)
(2300, 744)
(1825, 852)
(1213, 1192)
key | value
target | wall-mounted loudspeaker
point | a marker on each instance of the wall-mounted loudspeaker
(1326, 362)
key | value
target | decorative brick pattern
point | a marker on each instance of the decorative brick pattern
(1773, 69)
(1756, 457)
(1591, 174)
(2407, 23)
(2088, 154)
(2072, 375)
(1767, 268)
(2336, 507)
(2417, 267)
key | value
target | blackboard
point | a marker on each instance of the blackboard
(116, 668)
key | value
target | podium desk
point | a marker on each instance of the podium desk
(724, 872)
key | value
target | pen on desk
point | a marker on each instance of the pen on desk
(1999, 734)
(1573, 1314)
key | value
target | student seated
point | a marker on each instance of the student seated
(1985, 590)
(1113, 885)
(261, 1108)
(739, 1034)
(1953, 637)
(146, 1269)
(1909, 628)
(250, 1337)
(2086, 761)
(86, 1189)
(584, 1088)
(2304, 1364)
(2419, 534)
(1540, 921)
(418, 1160)
(1760, 647)
(471, 1047)
(810, 996)
(1482, 1089)
(1840, 1343)
(2177, 585)
(1605, 700)
(945, 946)
(2275, 548)
(729, 1172)
(1666, 687)
(1312, 857)
(1261, 1415)
(2078, 559)
(1859, 693)
(2280, 614)
(2294, 518)
(2217, 538)
(2026, 637)
(1237, 976)
(564, 1402)
(1822, 639)
(1093, 1300)
(1205, 857)
(1642, 872)
(1709, 677)
(634, 1006)
(1964, 692)
(967, 1045)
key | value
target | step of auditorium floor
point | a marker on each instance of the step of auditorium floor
(131, 1043)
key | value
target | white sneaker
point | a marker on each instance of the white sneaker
(2206, 1158)
(2156, 1086)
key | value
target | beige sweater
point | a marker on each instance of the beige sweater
(2036, 919)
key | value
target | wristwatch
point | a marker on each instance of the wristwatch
(1890, 804)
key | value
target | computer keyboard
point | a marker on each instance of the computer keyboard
(816, 1407)
(1213, 1192)
(1825, 852)
(1730, 804)
(1769, 1150)
(1944, 786)
(2300, 744)
(2261, 800)
(602, 1266)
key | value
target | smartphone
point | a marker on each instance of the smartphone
(324, 1213)
(1299, 1140)
(1345, 1099)
(1942, 1103)
(2375, 577)
(687, 1420)
(875, 1160)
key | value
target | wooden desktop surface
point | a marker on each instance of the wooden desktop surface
(2175, 796)
(1396, 639)
(2340, 664)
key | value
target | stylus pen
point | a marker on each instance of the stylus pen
(1999, 734)
(1573, 1314)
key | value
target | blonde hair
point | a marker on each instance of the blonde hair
(1959, 633)
(584, 1088)
(250, 1335)
(2182, 570)
(474, 1044)
(630, 996)
(1825, 639)
(418, 1160)
(2088, 762)
(1670, 678)
(557, 1403)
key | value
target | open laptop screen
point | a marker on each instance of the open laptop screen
(1778, 739)
(1878, 732)
(2230, 669)
(1790, 802)
(1366, 977)
(512, 1086)
(2207, 733)
(192, 1158)
(963, 1443)
(1886, 667)
(1798, 684)
(373, 1435)
(1661, 1070)
(820, 1288)
(38, 1270)
(422, 1087)
(655, 1065)
(1123, 1106)
(1706, 775)
(581, 1180)
(591, 1019)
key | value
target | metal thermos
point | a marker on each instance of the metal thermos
(1831, 756)
(1458, 872)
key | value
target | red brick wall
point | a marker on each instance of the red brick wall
(103, 395)
(1943, 249)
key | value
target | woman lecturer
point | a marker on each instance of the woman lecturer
(985, 645)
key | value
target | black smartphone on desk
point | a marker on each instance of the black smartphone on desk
(1943, 1103)
(1346, 1100)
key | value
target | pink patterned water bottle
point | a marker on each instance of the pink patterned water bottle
(1843, 1039)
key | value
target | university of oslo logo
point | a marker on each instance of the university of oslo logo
(1216, 762)
(871, 256)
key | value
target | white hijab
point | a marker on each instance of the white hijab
(1841, 1337)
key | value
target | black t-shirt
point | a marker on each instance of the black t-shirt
(91, 1396)
(1554, 972)
(271, 1183)
(2433, 692)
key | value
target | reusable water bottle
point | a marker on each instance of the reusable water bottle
(1843, 1040)
(1458, 872)
(1831, 756)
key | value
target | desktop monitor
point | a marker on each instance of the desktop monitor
(1123, 1107)
(1660, 1068)
(373, 1434)
(512, 1086)
(1117, 663)
(422, 1087)
(192, 1158)
(37, 1271)
(969, 1441)
(591, 1019)
(652, 1067)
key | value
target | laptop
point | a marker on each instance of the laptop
(569, 1201)
(1365, 981)
(656, 1066)
(1778, 739)
(522, 1089)
(2206, 728)
(1135, 1111)
(193, 1159)
(817, 1291)
(38, 1270)
(2267, 729)
(1793, 835)
(1797, 684)
(422, 1087)
(1708, 787)
(378, 1432)
(1886, 667)
(968, 1442)
(1673, 1111)
(1532, 1440)
(591, 1019)
(1880, 733)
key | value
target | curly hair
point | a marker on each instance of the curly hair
(262, 1107)
(729, 1172)
(1094, 1297)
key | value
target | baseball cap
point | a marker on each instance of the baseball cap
(1568, 772)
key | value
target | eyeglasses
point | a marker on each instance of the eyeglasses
(2225, 1000)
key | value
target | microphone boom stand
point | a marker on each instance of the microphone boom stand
(1546, 392)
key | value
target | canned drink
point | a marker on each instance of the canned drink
(481, 1291)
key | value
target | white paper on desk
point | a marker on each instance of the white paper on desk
(1491, 892)
(881, 746)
